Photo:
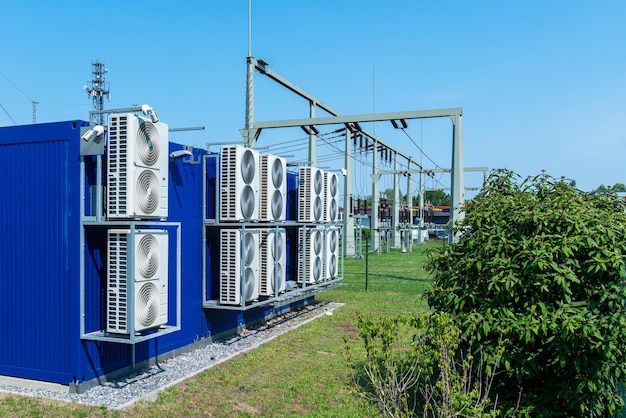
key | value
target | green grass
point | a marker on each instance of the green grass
(300, 373)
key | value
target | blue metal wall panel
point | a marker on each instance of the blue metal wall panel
(38, 248)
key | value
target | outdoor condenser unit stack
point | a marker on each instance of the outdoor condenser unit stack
(239, 184)
(137, 168)
(311, 259)
(143, 263)
(273, 178)
(331, 197)
(331, 253)
(273, 243)
(239, 266)
(311, 195)
(136, 190)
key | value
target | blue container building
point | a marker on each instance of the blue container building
(53, 261)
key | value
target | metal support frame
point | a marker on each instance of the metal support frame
(97, 221)
(252, 130)
(455, 114)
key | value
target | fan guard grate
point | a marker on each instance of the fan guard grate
(248, 166)
(147, 304)
(147, 256)
(147, 142)
(147, 191)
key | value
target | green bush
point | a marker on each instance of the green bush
(539, 265)
(412, 366)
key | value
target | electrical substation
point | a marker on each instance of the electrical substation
(127, 248)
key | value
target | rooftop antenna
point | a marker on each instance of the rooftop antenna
(97, 90)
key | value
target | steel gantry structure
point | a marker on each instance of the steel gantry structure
(352, 123)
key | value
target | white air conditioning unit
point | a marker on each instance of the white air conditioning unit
(273, 261)
(137, 168)
(331, 197)
(148, 275)
(310, 195)
(239, 266)
(273, 179)
(311, 256)
(239, 184)
(331, 259)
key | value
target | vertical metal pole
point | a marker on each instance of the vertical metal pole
(82, 247)
(421, 237)
(249, 138)
(204, 249)
(395, 233)
(249, 28)
(312, 138)
(348, 218)
(99, 189)
(457, 192)
(375, 197)
(367, 251)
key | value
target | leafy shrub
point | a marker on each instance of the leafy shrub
(412, 366)
(539, 265)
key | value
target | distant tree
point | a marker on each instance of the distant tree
(435, 197)
(619, 186)
(572, 183)
(602, 187)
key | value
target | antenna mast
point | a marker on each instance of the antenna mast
(97, 90)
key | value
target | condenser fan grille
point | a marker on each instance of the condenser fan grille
(147, 142)
(147, 304)
(316, 236)
(277, 204)
(333, 186)
(277, 173)
(278, 272)
(318, 182)
(318, 208)
(332, 241)
(147, 191)
(317, 269)
(249, 248)
(147, 256)
(247, 202)
(248, 166)
(250, 278)
(332, 269)
(333, 210)
(277, 249)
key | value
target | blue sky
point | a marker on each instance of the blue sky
(541, 83)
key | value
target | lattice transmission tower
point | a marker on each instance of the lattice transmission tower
(97, 90)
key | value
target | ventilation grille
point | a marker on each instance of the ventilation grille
(137, 168)
(117, 283)
(310, 195)
(239, 266)
(239, 184)
(311, 256)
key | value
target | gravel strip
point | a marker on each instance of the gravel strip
(146, 384)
